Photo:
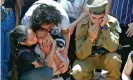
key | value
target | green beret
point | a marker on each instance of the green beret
(97, 6)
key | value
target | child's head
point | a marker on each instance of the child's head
(43, 40)
(41, 34)
(24, 35)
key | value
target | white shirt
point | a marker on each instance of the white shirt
(73, 7)
(65, 20)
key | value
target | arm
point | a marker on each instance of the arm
(108, 6)
(30, 58)
(127, 69)
(66, 36)
(80, 18)
(111, 37)
(50, 57)
(61, 66)
(18, 6)
(83, 44)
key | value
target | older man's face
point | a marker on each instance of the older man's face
(96, 19)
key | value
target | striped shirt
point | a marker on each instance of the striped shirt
(122, 10)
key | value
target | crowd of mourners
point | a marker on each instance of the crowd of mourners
(66, 39)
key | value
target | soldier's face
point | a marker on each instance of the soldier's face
(96, 19)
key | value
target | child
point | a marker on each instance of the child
(61, 61)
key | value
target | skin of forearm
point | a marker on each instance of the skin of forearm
(50, 57)
(81, 17)
(18, 6)
(108, 6)
(58, 62)
(67, 38)
(125, 77)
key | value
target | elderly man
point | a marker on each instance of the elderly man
(96, 45)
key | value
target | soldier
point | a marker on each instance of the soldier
(96, 45)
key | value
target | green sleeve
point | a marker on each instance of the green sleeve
(111, 37)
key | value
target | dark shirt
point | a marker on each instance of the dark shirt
(26, 5)
(122, 10)
(25, 59)
(9, 3)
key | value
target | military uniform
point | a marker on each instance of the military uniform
(87, 60)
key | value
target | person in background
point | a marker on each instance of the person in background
(128, 67)
(7, 24)
(25, 5)
(28, 62)
(123, 11)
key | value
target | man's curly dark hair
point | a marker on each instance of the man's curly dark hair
(45, 14)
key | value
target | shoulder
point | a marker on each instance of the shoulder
(112, 19)
(113, 23)
(23, 53)
(82, 26)
(83, 22)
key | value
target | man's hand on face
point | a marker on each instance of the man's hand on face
(105, 20)
(93, 30)
(129, 32)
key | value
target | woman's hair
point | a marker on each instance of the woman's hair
(19, 34)
(45, 14)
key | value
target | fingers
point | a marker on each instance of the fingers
(51, 38)
(94, 28)
(105, 20)
(129, 33)
(46, 42)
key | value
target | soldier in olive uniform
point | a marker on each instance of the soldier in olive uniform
(96, 45)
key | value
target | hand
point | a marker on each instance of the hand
(45, 44)
(129, 32)
(51, 39)
(105, 20)
(93, 30)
